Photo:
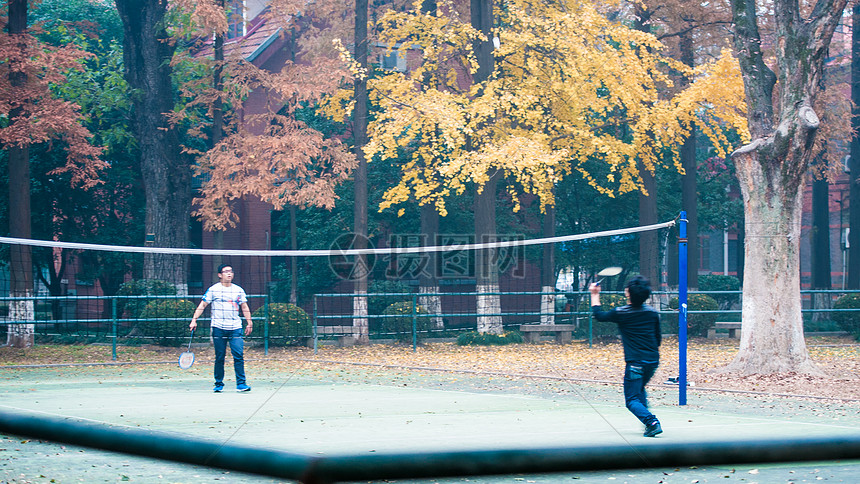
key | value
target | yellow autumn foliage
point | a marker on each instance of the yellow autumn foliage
(571, 91)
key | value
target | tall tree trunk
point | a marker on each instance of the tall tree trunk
(360, 176)
(853, 281)
(771, 171)
(294, 263)
(689, 198)
(489, 307)
(147, 53)
(648, 248)
(547, 271)
(820, 247)
(428, 281)
(486, 263)
(648, 241)
(218, 120)
(21, 258)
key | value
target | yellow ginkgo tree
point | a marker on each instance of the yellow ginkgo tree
(572, 93)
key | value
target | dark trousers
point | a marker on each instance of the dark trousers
(220, 338)
(637, 374)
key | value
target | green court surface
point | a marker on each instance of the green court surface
(329, 409)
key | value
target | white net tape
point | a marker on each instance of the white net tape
(334, 252)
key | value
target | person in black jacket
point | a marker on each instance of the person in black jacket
(639, 325)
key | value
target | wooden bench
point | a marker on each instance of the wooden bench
(532, 332)
(733, 327)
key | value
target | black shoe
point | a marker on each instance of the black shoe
(652, 429)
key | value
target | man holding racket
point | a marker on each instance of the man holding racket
(639, 325)
(226, 298)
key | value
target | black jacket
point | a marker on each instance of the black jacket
(640, 330)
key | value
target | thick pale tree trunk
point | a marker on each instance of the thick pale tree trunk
(772, 170)
(772, 331)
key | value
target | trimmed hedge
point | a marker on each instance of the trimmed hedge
(166, 320)
(398, 321)
(697, 324)
(288, 324)
(848, 321)
(474, 338)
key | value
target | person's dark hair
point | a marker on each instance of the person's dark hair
(639, 289)
(222, 266)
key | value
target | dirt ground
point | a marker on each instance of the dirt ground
(837, 357)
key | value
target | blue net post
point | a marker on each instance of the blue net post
(682, 309)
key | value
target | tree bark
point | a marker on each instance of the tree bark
(772, 170)
(360, 176)
(486, 264)
(689, 187)
(820, 253)
(648, 249)
(853, 281)
(489, 306)
(428, 281)
(648, 241)
(147, 53)
(21, 258)
(547, 272)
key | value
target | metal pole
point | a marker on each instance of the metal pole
(315, 324)
(414, 323)
(682, 310)
(266, 325)
(113, 325)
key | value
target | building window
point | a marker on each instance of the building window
(705, 253)
(392, 60)
(235, 19)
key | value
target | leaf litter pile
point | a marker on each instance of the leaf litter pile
(837, 357)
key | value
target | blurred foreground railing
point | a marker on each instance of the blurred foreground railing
(382, 466)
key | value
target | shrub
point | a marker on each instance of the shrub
(288, 323)
(697, 324)
(849, 320)
(716, 282)
(132, 308)
(398, 320)
(166, 320)
(474, 338)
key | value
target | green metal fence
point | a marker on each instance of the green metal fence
(163, 320)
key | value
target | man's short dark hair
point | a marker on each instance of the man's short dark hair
(639, 289)
(222, 266)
